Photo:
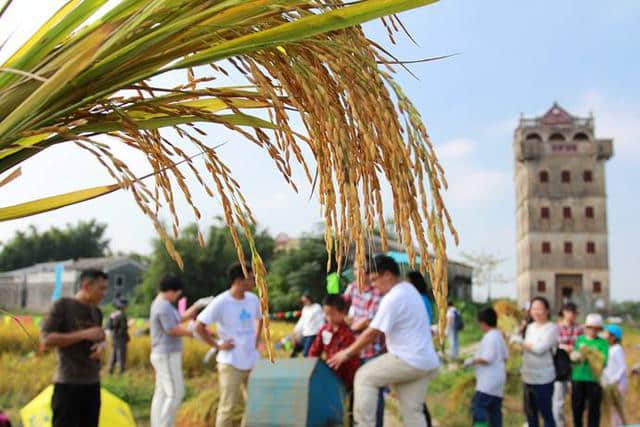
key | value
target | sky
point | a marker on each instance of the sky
(512, 58)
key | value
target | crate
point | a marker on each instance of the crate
(294, 392)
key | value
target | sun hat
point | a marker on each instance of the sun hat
(594, 320)
(614, 330)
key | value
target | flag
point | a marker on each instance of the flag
(57, 288)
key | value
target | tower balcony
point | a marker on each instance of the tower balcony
(605, 149)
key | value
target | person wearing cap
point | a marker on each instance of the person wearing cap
(585, 387)
(615, 373)
(568, 333)
(118, 327)
(411, 360)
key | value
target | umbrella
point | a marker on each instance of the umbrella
(113, 411)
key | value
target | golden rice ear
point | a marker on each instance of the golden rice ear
(307, 62)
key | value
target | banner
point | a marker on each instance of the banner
(57, 287)
(285, 315)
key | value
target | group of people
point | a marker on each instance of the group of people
(548, 346)
(74, 327)
(375, 337)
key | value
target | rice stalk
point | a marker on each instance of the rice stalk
(459, 397)
(595, 359)
(301, 60)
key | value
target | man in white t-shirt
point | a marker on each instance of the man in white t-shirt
(411, 360)
(237, 315)
(491, 374)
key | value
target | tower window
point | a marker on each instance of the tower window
(557, 137)
(588, 212)
(533, 137)
(566, 176)
(587, 176)
(544, 212)
(544, 176)
(597, 287)
(591, 248)
(568, 247)
(546, 247)
(542, 286)
(580, 136)
(566, 212)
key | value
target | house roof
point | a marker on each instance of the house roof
(41, 267)
(103, 263)
(556, 115)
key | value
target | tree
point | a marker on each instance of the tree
(84, 240)
(205, 267)
(484, 270)
(296, 271)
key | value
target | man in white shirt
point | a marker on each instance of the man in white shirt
(411, 360)
(310, 322)
(491, 375)
(237, 315)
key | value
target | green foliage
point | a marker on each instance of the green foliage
(627, 308)
(204, 267)
(135, 388)
(298, 270)
(85, 239)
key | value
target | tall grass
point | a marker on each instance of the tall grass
(14, 339)
(23, 377)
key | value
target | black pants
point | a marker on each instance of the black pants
(427, 415)
(76, 405)
(118, 355)
(589, 394)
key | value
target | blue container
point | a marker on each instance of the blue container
(294, 392)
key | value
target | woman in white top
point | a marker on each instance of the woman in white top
(538, 371)
(615, 373)
(310, 322)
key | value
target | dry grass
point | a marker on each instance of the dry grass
(507, 308)
(23, 377)
(461, 392)
(14, 339)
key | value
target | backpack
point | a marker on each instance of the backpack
(562, 364)
(458, 322)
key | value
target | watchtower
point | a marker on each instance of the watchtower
(561, 215)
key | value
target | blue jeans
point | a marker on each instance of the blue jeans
(454, 346)
(486, 408)
(539, 397)
(380, 407)
(307, 342)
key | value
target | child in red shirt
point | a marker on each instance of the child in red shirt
(335, 336)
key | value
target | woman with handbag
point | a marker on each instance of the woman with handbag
(538, 370)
